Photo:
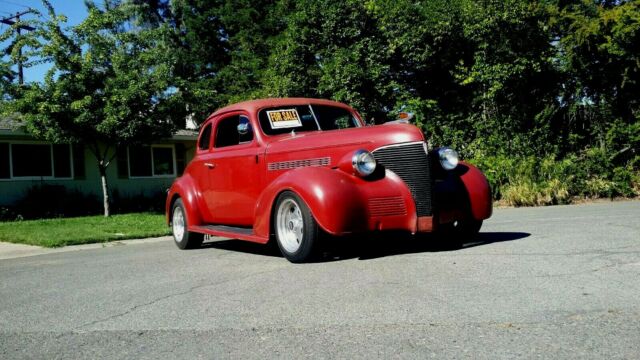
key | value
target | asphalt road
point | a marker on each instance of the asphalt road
(554, 282)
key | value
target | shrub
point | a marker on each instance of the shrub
(597, 187)
(8, 213)
(532, 180)
(520, 194)
(51, 201)
(554, 192)
(138, 203)
(54, 201)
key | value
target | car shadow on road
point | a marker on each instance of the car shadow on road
(244, 247)
(373, 247)
(370, 246)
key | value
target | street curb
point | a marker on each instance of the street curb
(13, 251)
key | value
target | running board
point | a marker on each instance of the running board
(232, 232)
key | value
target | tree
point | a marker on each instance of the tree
(599, 50)
(219, 49)
(108, 85)
(6, 79)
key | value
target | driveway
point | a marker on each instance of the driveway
(553, 282)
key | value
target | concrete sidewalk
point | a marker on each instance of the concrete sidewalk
(12, 251)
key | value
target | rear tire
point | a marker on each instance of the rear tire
(183, 238)
(296, 230)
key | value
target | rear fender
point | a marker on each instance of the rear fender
(185, 188)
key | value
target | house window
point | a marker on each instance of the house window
(152, 161)
(5, 163)
(31, 160)
(61, 161)
(140, 161)
(78, 162)
(162, 161)
(35, 161)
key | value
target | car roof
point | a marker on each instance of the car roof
(254, 106)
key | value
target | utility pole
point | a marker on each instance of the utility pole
(10, 21)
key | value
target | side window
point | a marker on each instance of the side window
(233, 130)
(205, 138)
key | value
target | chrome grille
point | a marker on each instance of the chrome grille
(411, 163)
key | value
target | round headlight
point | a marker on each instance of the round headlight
(448, 158)
(363, 162)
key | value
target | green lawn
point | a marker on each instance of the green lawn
(83, 230)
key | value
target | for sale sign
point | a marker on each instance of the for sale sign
(284, 118)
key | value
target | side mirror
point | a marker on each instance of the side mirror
(243, 128)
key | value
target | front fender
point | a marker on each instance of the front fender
(466, 188)
(185, 188)
(337, 200)
(479, 190)
(461, 193)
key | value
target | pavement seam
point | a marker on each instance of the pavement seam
(193, 288)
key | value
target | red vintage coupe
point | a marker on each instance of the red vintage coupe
(291, 169)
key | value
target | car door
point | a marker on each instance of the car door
(236, 171)
(200, 170)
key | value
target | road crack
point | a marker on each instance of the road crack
(159, 299)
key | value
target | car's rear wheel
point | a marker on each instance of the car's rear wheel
(183, 238)
(295, 228)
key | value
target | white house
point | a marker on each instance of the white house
(140, 170)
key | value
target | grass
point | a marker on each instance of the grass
(83, 230)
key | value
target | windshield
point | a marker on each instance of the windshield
(284, 119)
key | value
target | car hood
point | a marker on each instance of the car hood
(329, 142)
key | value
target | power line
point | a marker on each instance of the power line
(12, 20)
(12, 3)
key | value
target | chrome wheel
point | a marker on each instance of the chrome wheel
(290, 225)
(177, 224)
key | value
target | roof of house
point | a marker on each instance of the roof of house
(8, 123)
(185, 134)
(12, 127)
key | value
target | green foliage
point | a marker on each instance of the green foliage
(83, 230)
(531, 180)
(56, 201)
(543, 94)
(108, 84)
(51, 201)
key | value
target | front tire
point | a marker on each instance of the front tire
(183, 238)
(296, 230)
(454, 235)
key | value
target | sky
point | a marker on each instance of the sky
(73, 9)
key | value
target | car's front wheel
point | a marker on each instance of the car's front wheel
(295, 228)
(454, 235)
(183, 238)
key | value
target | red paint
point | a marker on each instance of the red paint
(234, 186)
(479, 192)
(425, 224)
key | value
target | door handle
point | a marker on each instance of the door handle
(210, 165)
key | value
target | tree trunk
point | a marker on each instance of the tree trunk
(105, 190)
